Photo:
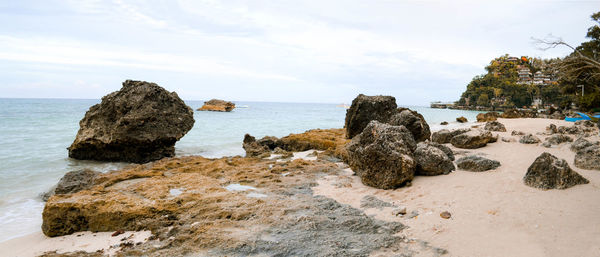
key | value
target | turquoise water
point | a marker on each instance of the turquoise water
(34, 135)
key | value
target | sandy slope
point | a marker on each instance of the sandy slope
(493, 213)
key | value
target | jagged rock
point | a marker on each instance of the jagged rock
(488, 116)
(572, 130)
(476, 163)
(413, 121)
(494, 126)
(461, 119)
(549, 172)
(444, 123)
(552, 129)
(382, 155)
(473, 139)
(139, 123)
(556, 140)
(444, 136)
(433, 159)
(529, 139)
(588, 158)
(516, 113)
(73, 182)
(217, 105)
(253, 148)
(580, 144)
(367, 108)
(517, 133)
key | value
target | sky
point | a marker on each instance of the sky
(322, 51)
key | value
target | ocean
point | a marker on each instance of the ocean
(34, 135)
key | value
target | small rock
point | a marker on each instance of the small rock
(494, 126)
(412, 214)
(444, 123)
(399, 211)
(476, 163)
(461, 119)
(445, 215)
(529, 139)
(508, 139)
(118, 232)
(517, 133)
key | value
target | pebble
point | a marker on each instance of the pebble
(412, 214)
(399, 211)
(445, 215)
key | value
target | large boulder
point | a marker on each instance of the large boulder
(494, 126)
(529, 139)
(549, 172)
(433, 159)
(413, 121)
(444, 136)
(588, 158)
(139, 123)
(382, 155)
(367, 108)
(461, 119)
(476, 163)
(217, 105)
(580, 144)
(473, 139)
(556, 140)
(488, 116)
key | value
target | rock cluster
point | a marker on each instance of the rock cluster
(476, 163)
(444, 136)
(549, 172)
(217, 105)
(329, 140)
(518, 113)
(494, 126)
(139, 123)
(364, 109)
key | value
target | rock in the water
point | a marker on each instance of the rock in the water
(549, 172)
(516, 113)
(494, 126)
(433, 159)
(217, 105)
(580, 144)
(556, 140)
(413, 121)
(253, 148)
(461, 119)
(139, 123)
(75, 181)
(444, 123)
(529, 139)
(476, 163)
(489, 116)
(444, 136)
(365, 109)
(588, 158)
(473, 139)
(382, 155)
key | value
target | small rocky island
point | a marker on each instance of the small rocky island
(139, 123)
(216, 105)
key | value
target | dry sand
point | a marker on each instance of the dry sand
(493, 212)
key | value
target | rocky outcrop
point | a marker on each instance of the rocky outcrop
(216, 105)
(461, 119)
(494, 126)
(332, 140)
(517, 113)
(255, 149)
(556, 140)
(529, 139)
(444, 136)
(413, 121)
(488, 116)
(382, 155)
(549, 172)
(588, 158)
(139, 123)
(580, 144)
(433, 159)
(444, 123)
(73, 182)
(476, 163)
(473, 139)
(365, 109)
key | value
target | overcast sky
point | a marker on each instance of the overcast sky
(284, 51)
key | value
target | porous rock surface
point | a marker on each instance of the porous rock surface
(444, 136)
(139, 123)
(529, 139)
(433, 159)
(517, 113)
(580, 144)
(413, 121)
(556, 140)
(588, 158)
(217, 105)
(473, 139)
(494, 126)
(461, 119)
(365, 109)
(382, 155)
(549, 172)
(476, 163)
(488, 116)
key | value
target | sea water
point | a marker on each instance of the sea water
(35, 134)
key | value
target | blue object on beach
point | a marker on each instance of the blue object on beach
(583, 117)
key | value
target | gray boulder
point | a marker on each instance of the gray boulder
(382, 155)
(367, 108)
(494, 126)
(473, 139)
(476, 163)
(73, 182)
(549, 172)
(413, 121)
(529, 139)
(444, 136)
(139, 123)
(433, 159)
(556, 140)
(580, 144)
(588, 158)
(572, 130)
